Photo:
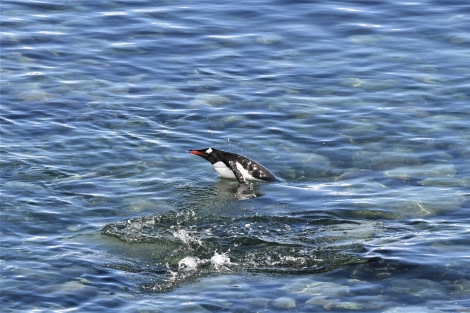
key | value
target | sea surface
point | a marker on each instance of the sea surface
(360, 108)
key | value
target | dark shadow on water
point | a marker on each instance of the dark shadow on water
(188, 244)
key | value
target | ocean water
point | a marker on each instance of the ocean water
(361, 108)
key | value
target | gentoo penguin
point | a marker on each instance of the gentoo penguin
(235, 166)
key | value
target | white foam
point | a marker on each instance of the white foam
(189, 263)
(220, 261)
(186, 237)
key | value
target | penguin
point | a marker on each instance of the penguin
(235, 166)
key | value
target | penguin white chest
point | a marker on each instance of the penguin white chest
(223, 170)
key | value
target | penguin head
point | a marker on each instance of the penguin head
(210, 154)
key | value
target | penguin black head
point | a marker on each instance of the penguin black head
(210, 154)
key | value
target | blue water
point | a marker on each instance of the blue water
(361, 108)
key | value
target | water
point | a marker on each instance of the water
(361, 108)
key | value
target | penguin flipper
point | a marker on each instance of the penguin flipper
(236, 172)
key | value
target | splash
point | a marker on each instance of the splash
(188, 246)
(189, 263)
(221, 261)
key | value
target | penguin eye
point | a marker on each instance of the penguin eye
(208, 151)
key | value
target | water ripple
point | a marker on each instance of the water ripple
(361, 109)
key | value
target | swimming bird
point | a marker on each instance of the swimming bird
(235, 166)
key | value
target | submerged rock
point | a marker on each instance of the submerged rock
(422, 171)
(318, 288)
(285, 303)
(205, 99)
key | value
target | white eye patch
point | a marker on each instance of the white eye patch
(209, 150)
